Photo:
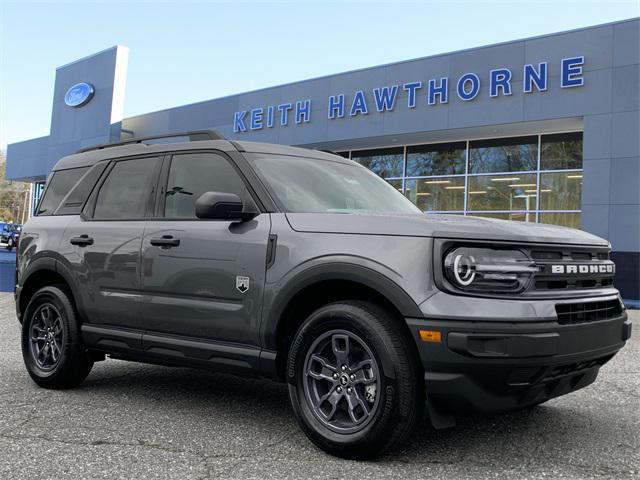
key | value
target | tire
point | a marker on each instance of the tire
(9, 245)
(337, 408)
(51, 317)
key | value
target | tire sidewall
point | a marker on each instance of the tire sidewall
(352, 319)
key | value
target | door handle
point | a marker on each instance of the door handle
(81, 241)
(166, 241)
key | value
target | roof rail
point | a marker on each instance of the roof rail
(193, 136)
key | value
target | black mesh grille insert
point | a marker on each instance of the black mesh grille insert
(557, 372)
(570, 269)
(572, 313)
(546, 255)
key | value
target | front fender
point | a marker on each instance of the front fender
(277, 296)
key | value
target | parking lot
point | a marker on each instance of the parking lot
(139, 421)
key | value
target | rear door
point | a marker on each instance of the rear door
(102, 246)
(202, 278)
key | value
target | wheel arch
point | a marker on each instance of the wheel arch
(322, 284)
(42, 272)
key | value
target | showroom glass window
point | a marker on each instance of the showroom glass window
(517, 154)
(387, 162)
(436, 194)
(533, 178)
(561, 151)
(505, 193)
(436, 159)
(561, 179)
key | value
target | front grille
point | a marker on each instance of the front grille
(571, 269)
(564, 284)
(523, 376)
(584, 312)
(553, 254)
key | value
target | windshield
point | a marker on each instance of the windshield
(312, 185)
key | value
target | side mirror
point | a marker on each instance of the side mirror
(221, 206)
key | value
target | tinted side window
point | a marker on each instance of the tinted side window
(60, 183)
(191, 175)
(503, 155)
(73, 203)
(126, 191)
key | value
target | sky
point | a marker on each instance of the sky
(188, 51)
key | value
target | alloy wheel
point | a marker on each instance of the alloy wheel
(46, 336)
(342, 381)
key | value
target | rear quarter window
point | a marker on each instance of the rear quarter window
(72, 204)
(59, 185)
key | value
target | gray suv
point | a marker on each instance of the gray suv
(305, 267)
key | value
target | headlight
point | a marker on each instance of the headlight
(488, 270)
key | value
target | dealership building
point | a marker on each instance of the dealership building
(544, 129)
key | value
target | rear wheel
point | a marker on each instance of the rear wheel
(354, 381)
(52, 346)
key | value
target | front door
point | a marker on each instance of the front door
(203, 279)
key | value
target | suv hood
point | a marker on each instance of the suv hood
(436, 225)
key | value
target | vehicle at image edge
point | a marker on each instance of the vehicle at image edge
(305, 267)
(10, 235)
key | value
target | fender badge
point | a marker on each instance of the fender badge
(242, 284)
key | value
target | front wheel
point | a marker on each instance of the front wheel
(52, 346)
(354, 380)
(9, 244)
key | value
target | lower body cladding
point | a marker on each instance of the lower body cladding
(173, 350)
(491, 366)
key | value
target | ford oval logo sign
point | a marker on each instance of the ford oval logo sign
(79, 94)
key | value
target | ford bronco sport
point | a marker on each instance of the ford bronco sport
(305, 267)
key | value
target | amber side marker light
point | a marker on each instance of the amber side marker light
(430, 336)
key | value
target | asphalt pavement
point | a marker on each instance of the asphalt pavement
(130, 420)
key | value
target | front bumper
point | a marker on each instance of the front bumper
(487, 365)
